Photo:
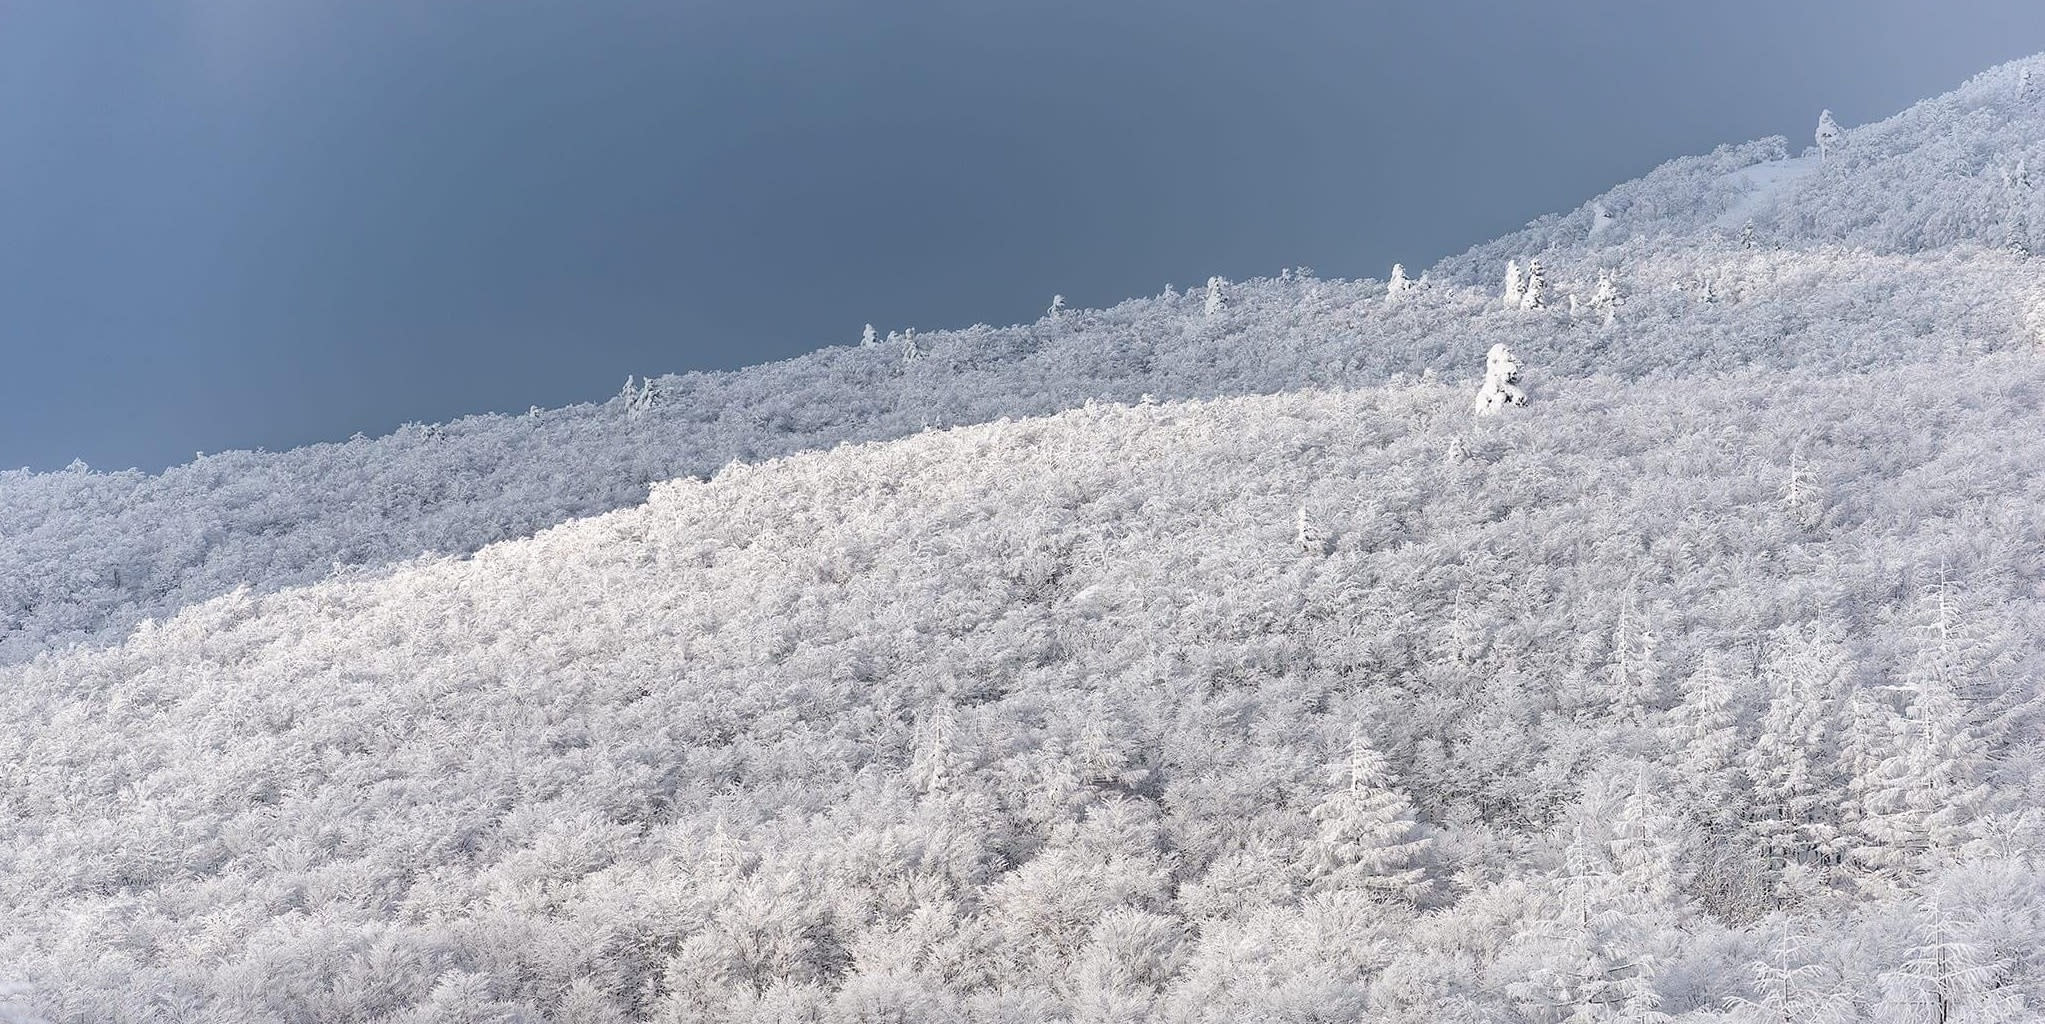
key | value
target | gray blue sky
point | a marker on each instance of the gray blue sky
(243, 223)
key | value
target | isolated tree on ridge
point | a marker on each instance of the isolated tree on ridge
(1829, 135)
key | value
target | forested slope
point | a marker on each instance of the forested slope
(1333, 705)
(1203, 658)
(1899, 248)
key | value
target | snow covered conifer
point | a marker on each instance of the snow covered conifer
(2016, 183)
(1057, 307)
(1369, 838)
(1705, 728)
(1215, 299)
(1311, 541)
(1794, 988)
(1501, 382)
(1515, 288)
(1536, 294)
(1605, 300)
(1800, 492)
(1647, 851)
(1601, 222)
(1399, 284)
(1829, 135)
(1925, 798)
(867, 338)
(1793, 764)
(1948, 978)
(2026, 85)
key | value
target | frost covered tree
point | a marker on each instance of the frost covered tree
(1216, 299)
(1948, 978)
(1057, 307)
(1369, 837)
(1536, 294)
(1605, 300)
(1399, 283)
(1648, 852)
(1926, 796)
(1601, 222)
(1829, 135)
(1793, 764)
(1800, 493)
(1794, 987)
(1515, 287)
(1501, 385)
(2026, 85)
(867, 338)
(639, 397)
(1635, 673)
(1310, 539)
(1589, 949)
(1706, 730)
(2016, 181)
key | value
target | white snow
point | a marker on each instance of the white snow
(1765, 184)
(1705, 687)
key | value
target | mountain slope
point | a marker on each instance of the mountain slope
(1942, 173)
(1891, 239)
(1062, 719)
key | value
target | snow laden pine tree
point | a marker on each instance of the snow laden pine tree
(1399, 285)
(1515, 285)
(2016, 184)
(1593, 952)
(1793, 987)
(1501, 382)
(1948, 978)
(1829, 135)
(1601, 222)
(867, 338)
(1369, 839)
(1647, 851)
(1215, 297)
(1310, 538)
(1794, 766)
(1535, 295)
(1704, 728)
(1800, 493)
(1605, 300)
(1926, 796)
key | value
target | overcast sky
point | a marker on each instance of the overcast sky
(243, 223)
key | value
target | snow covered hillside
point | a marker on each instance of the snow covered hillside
(1896, 249)
(1222, 665)
(1335, 705)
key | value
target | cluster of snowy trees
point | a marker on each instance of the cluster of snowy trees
(84, 556)
(1612, 708)
(1704, 687)
(1928, 178)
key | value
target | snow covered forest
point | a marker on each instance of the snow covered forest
(1209, 657)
